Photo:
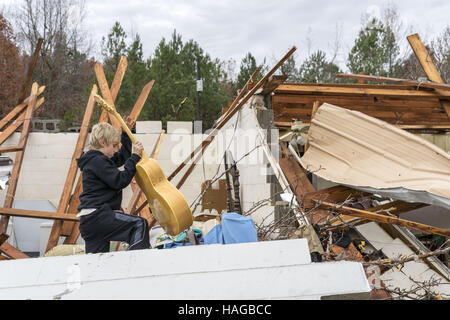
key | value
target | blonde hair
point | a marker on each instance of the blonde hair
(105, 131)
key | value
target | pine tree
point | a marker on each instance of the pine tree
(316, 69)
(289, 69)
(113, 48)
(173, 66)
(246, 69)
(375, 51)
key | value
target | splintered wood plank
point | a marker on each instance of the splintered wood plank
(10, 149)
(294, 101)
(11, 191)
(17, 110)
(72, 173)
(106, 93)
(273, 83)
(335, 194)
(117, 81)
(38, 214)
(384, 219)
(18, 122)
(396, 207)
(297, 177)
(300, 185)
(118, 77)
(3, 238)
(30, 70)
(323, 89)
(315, 106)
(424, 58)
(136, 111)
(396, 80)
(73, 209)
(11, 252)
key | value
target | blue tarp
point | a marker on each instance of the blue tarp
(235, 228)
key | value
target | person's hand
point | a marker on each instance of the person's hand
(129, 122)
(137, 148)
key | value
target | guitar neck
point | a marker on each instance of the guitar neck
(124, 126)
(127, 130)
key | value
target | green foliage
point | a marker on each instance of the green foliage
(114, 47)
(289, 69)
(375, 51)
(246, 69)
(136, 76)
(174, 69)
(316, 69)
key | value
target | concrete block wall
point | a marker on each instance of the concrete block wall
(48, 155)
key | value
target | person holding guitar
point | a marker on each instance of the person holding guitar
(101, 220)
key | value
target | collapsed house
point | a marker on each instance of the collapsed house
(326, 173)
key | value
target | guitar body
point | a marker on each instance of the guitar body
(167, 203)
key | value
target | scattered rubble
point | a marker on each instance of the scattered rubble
(346, 165)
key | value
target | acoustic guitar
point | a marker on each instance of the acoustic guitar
(167, 203)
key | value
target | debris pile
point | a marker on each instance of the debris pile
(349, 173)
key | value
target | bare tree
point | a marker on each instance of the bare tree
(441, 49)
(63, 66)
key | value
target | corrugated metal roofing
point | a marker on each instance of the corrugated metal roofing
(352, 148)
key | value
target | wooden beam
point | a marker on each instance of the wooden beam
(17, 110)
(10, 149)
(74, 202)
(12, 252)
(3, 238)
(117, 82)
(323, 89)
(18, 122)
(383, 218)
(230, 113)
(424, 58)
(30, 70)
(136, 111)
(427, 65)
(106, 93)
(300, 185)
(273, 83)
(335, 194)
(118, 77)
(396, 207)
(316, 105)
(11, 191)
(72, 173)
(418, 84)
(38, 214)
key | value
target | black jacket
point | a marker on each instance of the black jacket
(102, 180)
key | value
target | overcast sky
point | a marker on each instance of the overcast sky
(228, 29)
